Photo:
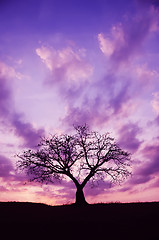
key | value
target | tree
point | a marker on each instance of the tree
(82, 157)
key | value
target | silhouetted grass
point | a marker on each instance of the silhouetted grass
(95, 221)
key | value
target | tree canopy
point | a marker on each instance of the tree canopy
(83, 156)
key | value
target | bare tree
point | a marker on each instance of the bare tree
(82, 157)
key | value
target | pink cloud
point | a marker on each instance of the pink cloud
(66, 65)
(126, 39)
(3, 189)
(109, 44)
(70, 72)
(106, 45)
(7, 71)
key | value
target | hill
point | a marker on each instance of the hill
(113, 221)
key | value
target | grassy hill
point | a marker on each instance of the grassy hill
(98, 221)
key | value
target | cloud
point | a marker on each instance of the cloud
(25, 130)
(151, 153)
(97, 188)
(148, 3)
(9, 115)
(3, 189)
(148, 169)
(156, 121)
(5, 167)
(94, 102)
(145, 76)
(127, 79)
(64, 192)
(70, 74)
(128, 137)
(106, 45)
(120, 99)
(6, 73)
(155, 184)
(5, 94)
(92, 111)
(155, 102)
(66, 65)
(155, 108)
(126, 39)
(139, 179)
(112, 97)
(114, 40)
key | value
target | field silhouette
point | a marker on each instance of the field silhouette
(94, 221)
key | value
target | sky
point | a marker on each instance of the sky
(65, 62)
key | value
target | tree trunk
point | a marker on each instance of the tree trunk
(80, 199)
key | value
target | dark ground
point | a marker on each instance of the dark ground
(98, 221)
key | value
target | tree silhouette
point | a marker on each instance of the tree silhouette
(84, 156)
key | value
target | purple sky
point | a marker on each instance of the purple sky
(67, 62)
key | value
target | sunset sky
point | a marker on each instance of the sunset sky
(65, 62)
